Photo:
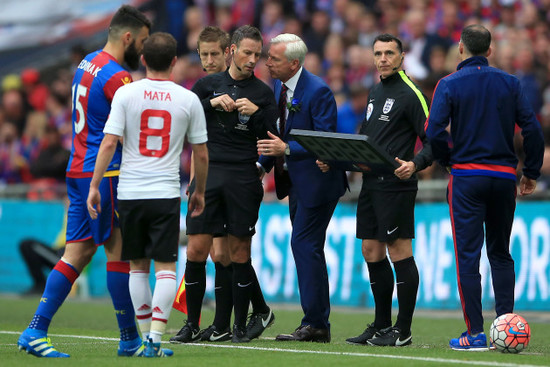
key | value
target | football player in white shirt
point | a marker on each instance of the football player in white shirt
(153, 116)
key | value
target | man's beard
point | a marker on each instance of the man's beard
(131, 56)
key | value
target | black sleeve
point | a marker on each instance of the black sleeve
(418, 113)
(265, 119)
(201, 90)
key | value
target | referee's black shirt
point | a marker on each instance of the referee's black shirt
(232, 137)
(396, 113)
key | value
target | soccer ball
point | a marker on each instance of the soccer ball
(510, 333)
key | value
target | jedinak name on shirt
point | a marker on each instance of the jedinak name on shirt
(89, 67)
(157, 96)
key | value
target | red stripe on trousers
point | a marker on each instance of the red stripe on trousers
(450, 201)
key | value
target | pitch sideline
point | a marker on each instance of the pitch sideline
(371, 355)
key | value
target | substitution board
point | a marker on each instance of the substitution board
(349, 152)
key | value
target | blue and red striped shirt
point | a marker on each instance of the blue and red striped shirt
(96, 80)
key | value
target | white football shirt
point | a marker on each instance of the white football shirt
(153, 117)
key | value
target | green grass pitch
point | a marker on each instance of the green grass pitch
(87, 331)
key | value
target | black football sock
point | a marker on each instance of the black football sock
(381, 283)
(242, 286)
(407, 278)
(195, 285)
(224, 296)
(256, 295)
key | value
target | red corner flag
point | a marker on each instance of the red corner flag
(180, 303)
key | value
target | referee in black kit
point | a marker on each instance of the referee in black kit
(239, 109)
(395, 117)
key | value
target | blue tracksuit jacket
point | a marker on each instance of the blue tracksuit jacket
(483, 104)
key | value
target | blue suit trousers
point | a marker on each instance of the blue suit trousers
(309, 226)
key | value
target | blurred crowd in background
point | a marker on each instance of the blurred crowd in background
(35, 109)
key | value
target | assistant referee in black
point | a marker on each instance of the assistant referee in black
(239, 109)
(394, 119)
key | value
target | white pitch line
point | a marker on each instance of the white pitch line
(372, 355)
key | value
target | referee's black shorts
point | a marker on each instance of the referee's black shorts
(233, 196)
(150, 229)
(385, 215)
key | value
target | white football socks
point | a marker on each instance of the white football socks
(140, 291)
(163, 298)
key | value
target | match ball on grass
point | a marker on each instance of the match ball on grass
(510, 333)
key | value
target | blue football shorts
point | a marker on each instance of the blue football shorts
(80, 226)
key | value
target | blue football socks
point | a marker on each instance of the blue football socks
(58, 286)
(117, 284)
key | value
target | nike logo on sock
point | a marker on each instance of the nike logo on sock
(192, 283)
(244, 285)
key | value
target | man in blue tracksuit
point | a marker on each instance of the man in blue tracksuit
(482, 105)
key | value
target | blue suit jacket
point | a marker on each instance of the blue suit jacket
(317, 112)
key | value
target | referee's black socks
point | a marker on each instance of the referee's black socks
(195, 285)
(256, 296)
(381, 283)
(242, 287)
(223, 289)
(406, 274)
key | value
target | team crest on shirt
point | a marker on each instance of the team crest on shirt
(388, 105)
(370, 107)
(243, 120)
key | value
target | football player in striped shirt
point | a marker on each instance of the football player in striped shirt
(97, 78)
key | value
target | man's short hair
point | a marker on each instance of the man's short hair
(296, 49)
(246, 31)
(214, 34)
(128, 18)
(476, 38)
(386, 37)
(159, 50)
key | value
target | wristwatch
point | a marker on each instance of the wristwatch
(287, 150)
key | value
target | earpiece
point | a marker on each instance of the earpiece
(400, 63)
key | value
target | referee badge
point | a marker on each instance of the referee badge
(388, 105)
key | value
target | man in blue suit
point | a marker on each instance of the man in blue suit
(305, 102)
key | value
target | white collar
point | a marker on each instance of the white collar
(292, 82)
